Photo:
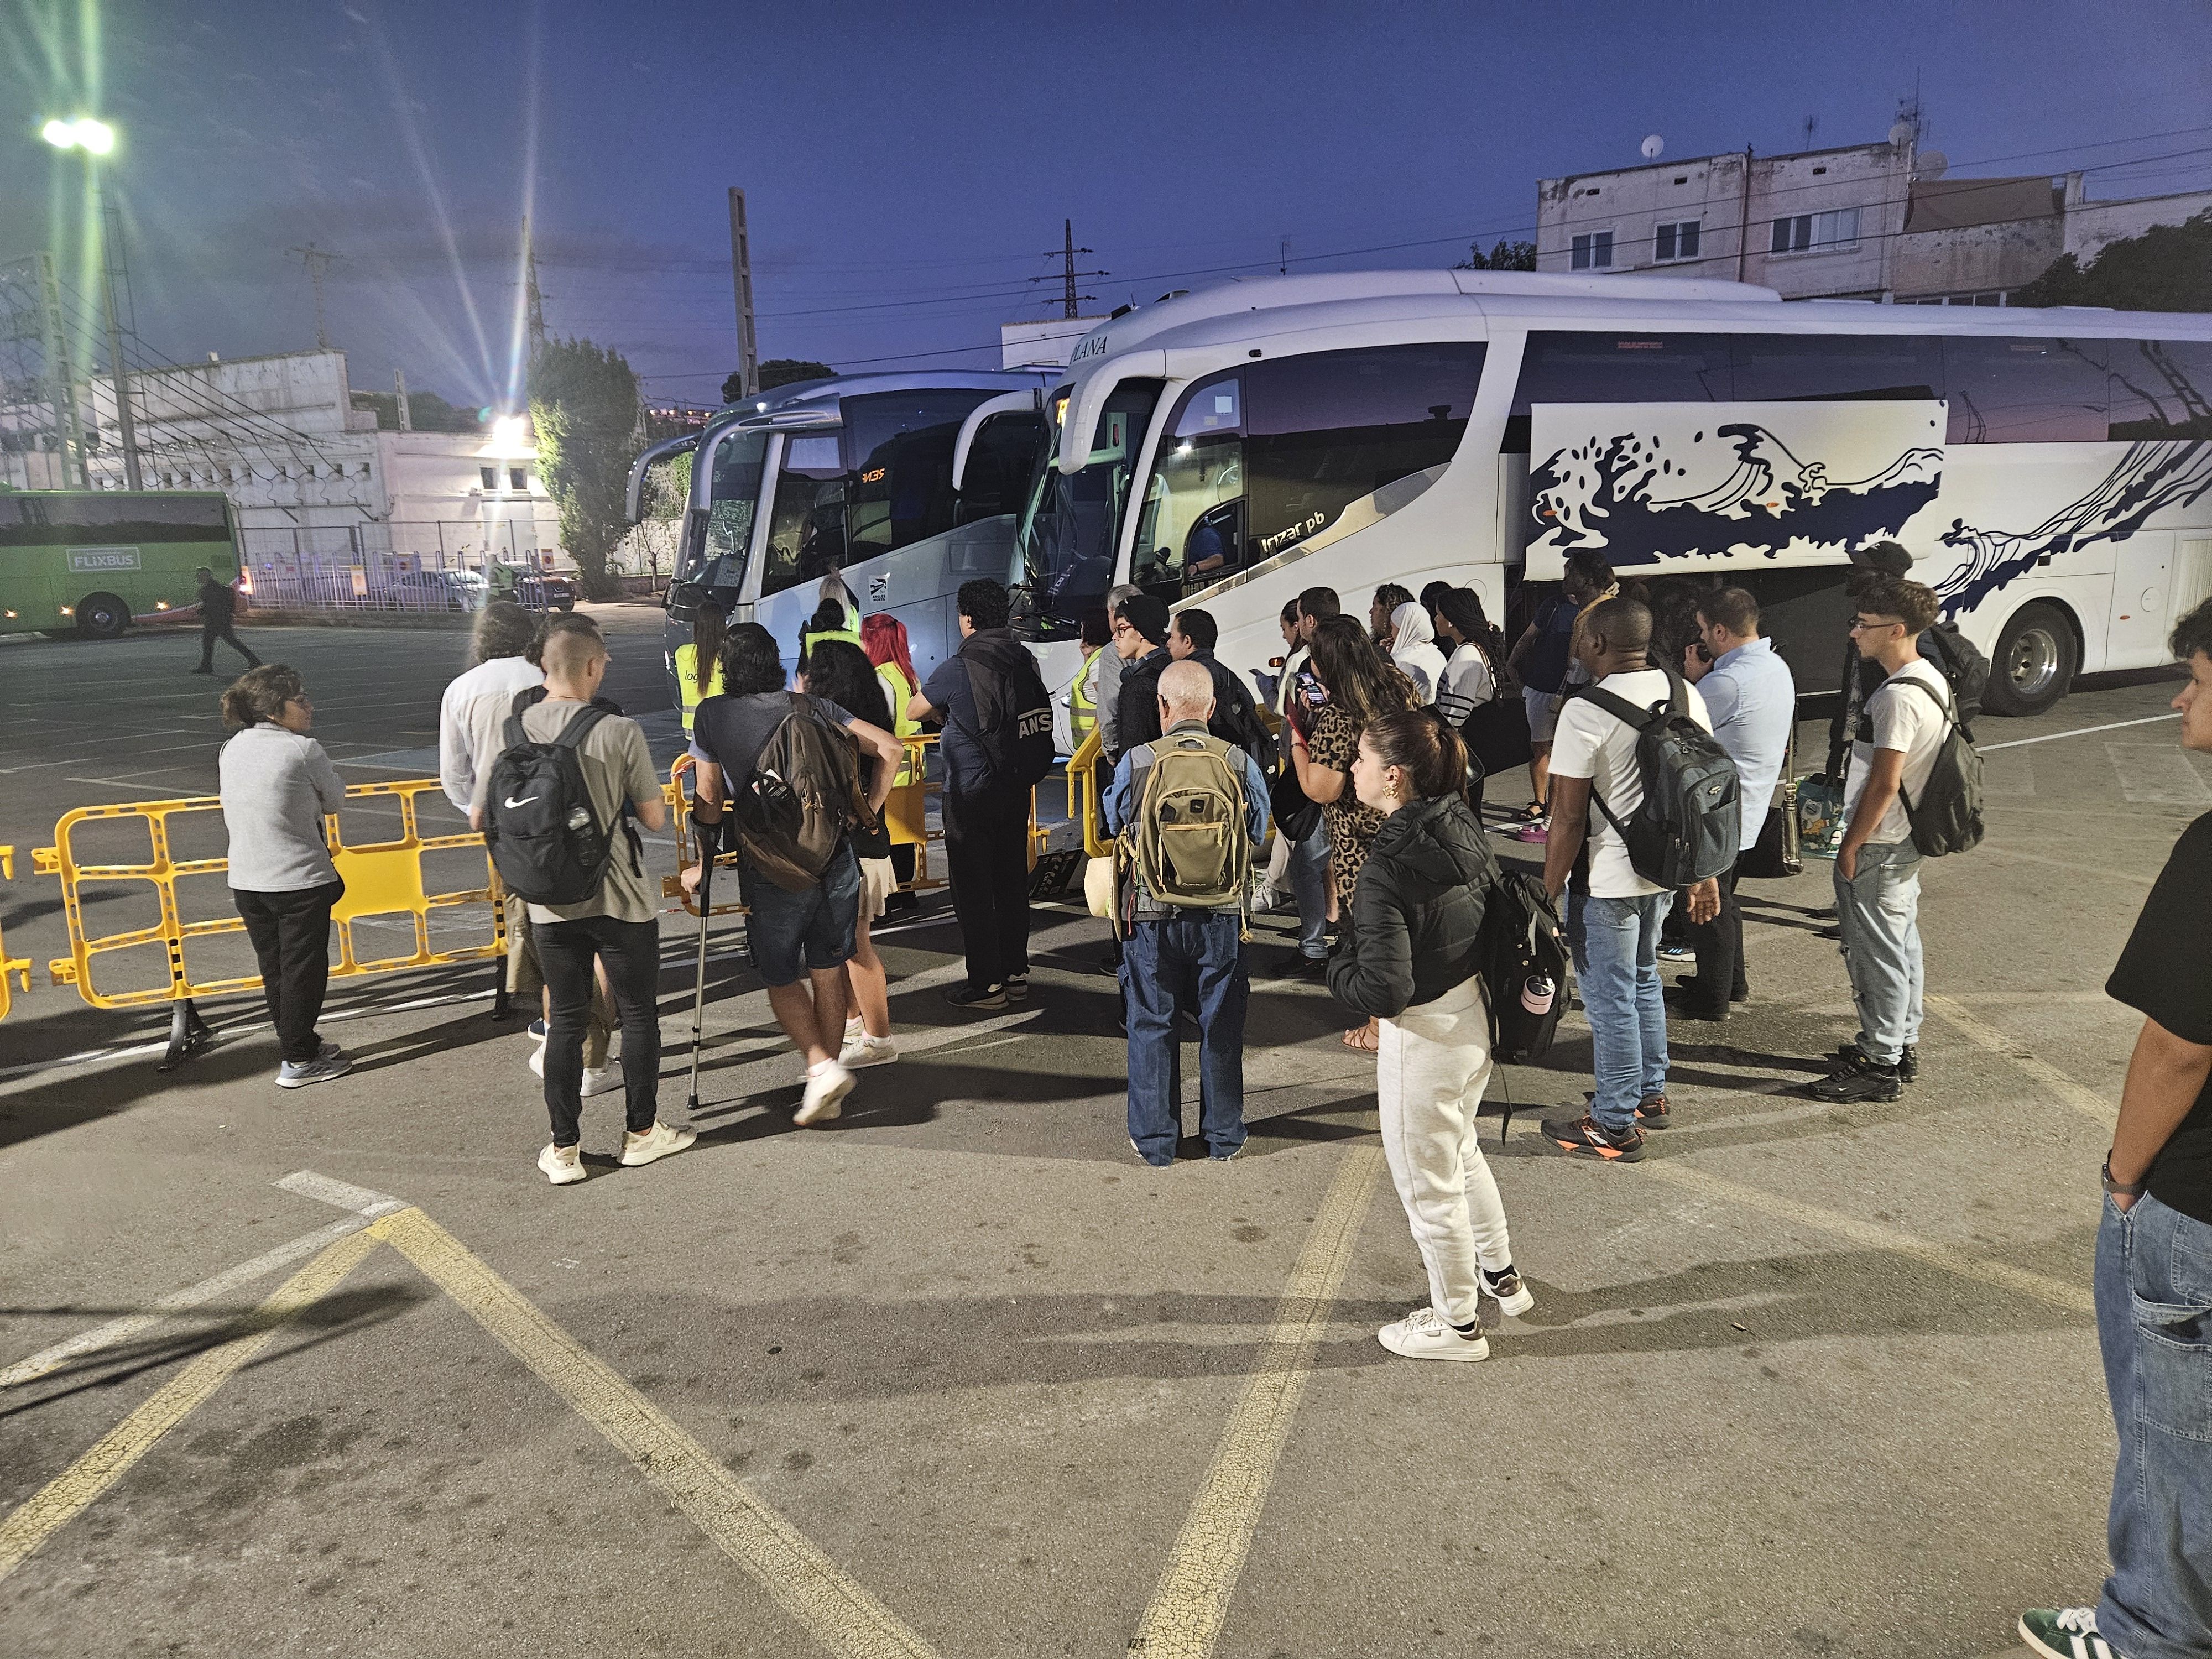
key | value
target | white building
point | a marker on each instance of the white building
(1863, 222)
(310, 474)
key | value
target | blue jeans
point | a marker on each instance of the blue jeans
(1878, 912)
(789, 934)
(1190, 959)
(1616, 945)
(1309, 885)
(2155, 1326)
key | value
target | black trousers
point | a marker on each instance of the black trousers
(291, 935)
(1719, 946)
(631, 951)
(226, 631)
(987, 853)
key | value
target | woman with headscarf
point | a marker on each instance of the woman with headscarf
(1413, 648)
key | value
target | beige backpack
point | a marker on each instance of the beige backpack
(1187, 839)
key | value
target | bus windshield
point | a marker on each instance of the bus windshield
(1070, 523)
(733, 500)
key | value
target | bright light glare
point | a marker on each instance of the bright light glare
(94, 136)
(510, 433)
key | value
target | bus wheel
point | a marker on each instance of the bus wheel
(102, 615)
(2034, 661)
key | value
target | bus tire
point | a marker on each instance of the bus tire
(102, 615)
(2034, 662)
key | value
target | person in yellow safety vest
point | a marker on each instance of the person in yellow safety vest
(830, 621)
(1083, 694)
(708, 630)
(882, 636)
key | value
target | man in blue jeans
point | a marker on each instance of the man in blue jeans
(2154, 1275)
(1178, 955)
(1613, 913)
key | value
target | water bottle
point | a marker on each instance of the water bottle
(1537, 993)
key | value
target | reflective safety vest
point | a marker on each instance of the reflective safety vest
(686, 659)
(810, 637)
(1083, 697)
(897, 689)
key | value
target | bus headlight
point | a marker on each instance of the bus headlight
(161, 605)
(68, 611)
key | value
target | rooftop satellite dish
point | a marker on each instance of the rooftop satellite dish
(1651, 147)
(1931, 165)
(1901, 134)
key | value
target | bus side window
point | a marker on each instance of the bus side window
(1000, 463)
(2158, 388)
(1825, 367)
(899, 452)
(2012, 390)
(1622, 368)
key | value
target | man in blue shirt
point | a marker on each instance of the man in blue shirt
(1178, 954)
(1752, 700)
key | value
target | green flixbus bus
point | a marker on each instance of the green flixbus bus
(85, 563)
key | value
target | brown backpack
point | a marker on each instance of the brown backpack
(804, 798)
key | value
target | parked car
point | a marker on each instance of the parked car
(436, 590)
(546, 590)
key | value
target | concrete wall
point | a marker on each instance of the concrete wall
(1976, 258)
(2093, 224)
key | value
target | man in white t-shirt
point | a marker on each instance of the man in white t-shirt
(1612, 913)
(1877, 865)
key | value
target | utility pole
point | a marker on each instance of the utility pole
(126, 426)
(61, 376)
(533, 300)
(399, 383)
(1071, 302)
(317, 260)
(741, 270)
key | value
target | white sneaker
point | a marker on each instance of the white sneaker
(861, 1050)
(595, 1082)
(564, 1165)
(1421, 1336)
(1265, 899)
(825, 1090)
(1512, 1293)
(658, 1142)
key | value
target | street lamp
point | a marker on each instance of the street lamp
(96, 138)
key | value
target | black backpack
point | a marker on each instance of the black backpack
(1519, 949)
(1688, 825)
(545, 841)
(1962, 663)
(1948, 817)
(1013, 711)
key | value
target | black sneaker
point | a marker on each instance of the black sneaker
(1856, 1080)
(1908, 1060)
(977, 996)
(1505, 1288)
(1017, 988)
(1585, 1137)
(1652, 1112)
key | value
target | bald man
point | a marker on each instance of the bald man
(1179, 958)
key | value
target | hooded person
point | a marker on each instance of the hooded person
(1413, 648)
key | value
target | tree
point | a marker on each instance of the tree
(776, 372)
(1505, 256)
(583, 405)
(2167, 268)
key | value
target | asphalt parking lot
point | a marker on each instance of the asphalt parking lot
(958, 1375)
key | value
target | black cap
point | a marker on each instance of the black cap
(1148, 614)
(1887, 557)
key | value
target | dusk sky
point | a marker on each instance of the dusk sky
(908, 166)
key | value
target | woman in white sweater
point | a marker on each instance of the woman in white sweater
(1413, 648)
(277, 787)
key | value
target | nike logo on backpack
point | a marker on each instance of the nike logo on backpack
(512, 803)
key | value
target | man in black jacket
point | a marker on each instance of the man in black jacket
(218, 607)
(1140, 639)
(1191, 638)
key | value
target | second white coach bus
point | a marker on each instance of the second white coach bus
(2050, 471)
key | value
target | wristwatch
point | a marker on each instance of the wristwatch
(2122, 1189)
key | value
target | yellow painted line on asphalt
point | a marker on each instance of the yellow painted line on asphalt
(2080, 1096)
(841, 1615)
(2074, 1299)
(1185, 1618)
(70, 1493)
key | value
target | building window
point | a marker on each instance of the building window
(364, 469)
(1677, 241)
(1594, 251)
(1988, 296)
(490, 476)
(1807, 232)
(517, 479)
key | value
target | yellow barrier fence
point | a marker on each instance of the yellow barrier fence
(15, 967)
(382, 877)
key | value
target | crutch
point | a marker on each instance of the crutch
(708, 855)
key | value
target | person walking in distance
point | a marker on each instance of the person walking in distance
(1877, 865)
(1185, 951)
(277, 786)
(1613, 914)
(218, 603)
(619, 925)
(1751, 699)
(800, 940)
(1412, 959)
(2154, 1268)
(842, 674)
(989, 697)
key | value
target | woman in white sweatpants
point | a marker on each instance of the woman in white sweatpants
(1410, 957)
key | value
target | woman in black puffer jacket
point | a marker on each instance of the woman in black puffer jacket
(1410, 957)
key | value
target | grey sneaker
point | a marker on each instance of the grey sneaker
(299, 1073)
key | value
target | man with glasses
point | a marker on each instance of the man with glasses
(1877, 865)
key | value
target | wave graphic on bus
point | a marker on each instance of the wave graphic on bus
(2150, 477)
(1603, 493)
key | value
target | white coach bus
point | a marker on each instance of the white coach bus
(905, 485)
(2050, 471)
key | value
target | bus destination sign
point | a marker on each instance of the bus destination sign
(92, 560)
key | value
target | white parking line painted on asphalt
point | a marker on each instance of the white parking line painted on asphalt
(2082, 1098)
(305, 1183)
(2078, 731)
(2157, 776)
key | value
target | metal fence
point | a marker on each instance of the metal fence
(426, 567)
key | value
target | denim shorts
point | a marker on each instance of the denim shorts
(789, 934)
